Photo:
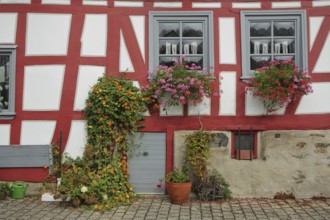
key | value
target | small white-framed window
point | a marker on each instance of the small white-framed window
(173, 34)
(7, 81)
(272, 35)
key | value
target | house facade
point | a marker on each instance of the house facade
(53, 51)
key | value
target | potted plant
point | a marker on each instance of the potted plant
(4, 190)
(279, 83)
(178, 186)
(180, 84)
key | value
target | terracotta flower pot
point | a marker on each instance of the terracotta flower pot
(178, 192)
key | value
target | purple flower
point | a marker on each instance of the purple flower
(192, 81)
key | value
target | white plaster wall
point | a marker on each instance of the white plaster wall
(246, 5)
(15, 1)
(128, 4)
(314, 27)
(168, 4)
(43, 87)
(171, 111)
(206, 5)
(136, 84)
(8, 24)
(77, 139)
(94, 36)
(97, 3)
(317, 102)
(56, 2)
(138, 23)
(203, 108)
(296, 4)
(125, 63)
(47, 34)
(37, 132)
(321, 3)
(254, 107)
(227, 40)
(87, 77)
(4, 134)
(322, 64)
(228, 95)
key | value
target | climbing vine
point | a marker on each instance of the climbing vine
(197, 153)
(114, 112)
(209, 185)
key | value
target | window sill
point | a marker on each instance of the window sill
(248, 77)
(7, 115)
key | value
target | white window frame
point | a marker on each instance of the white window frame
(298, 16)
(6, 114)
(208, 43)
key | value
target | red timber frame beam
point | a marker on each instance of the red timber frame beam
(118, 20)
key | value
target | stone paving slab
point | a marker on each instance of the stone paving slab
(151, 208)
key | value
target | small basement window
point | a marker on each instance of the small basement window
(244, 145)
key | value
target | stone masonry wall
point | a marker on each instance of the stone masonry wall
(292, 161)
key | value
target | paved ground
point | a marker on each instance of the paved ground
(160, 208)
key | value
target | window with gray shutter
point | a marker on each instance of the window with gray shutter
(7, 81)
(173, 34)
(272, 35)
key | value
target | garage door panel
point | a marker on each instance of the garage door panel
(148, 189)
(146, 181)
(151, 150)
(147, 165)
(148, 161)
(149, 157)
(151, 171)
(137, 167)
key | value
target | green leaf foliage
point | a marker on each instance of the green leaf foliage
(114, 111)
(208, 185)
(279, 83)
(197, 152)
(177, 176)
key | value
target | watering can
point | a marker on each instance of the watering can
(17, 190)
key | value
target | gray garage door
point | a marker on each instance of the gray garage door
(147, 165)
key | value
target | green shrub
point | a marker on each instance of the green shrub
(208, 185)
(114, 111)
